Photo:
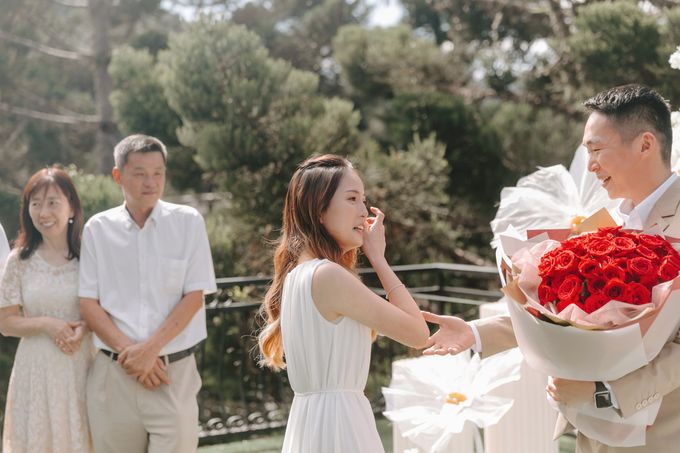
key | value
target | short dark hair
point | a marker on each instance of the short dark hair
(29, 237)
(137, 143)
(635, 109)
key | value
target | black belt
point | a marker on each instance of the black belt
(174, 357)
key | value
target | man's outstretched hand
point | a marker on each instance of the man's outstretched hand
(454, 335)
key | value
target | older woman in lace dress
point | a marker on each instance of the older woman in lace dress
(45, 409)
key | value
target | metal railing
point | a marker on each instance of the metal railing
(240, 399)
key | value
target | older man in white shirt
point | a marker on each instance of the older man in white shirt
(144, 269)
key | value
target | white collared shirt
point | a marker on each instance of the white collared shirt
(634, 217)
(138, 275)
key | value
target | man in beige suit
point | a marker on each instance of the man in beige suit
(628, 135)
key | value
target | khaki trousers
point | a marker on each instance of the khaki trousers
(125, 417)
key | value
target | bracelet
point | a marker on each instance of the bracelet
(389, 291)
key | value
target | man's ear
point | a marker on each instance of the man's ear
(116, 175)
(648, 144)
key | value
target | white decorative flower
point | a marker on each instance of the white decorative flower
(674, 60)
(431, 397)
(675, 153)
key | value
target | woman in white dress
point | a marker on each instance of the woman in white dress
(322, 318)
(45, 409)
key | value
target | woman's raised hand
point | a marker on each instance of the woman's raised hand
(374, 235)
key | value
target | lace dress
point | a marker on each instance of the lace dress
(327, 365)
(45, 409)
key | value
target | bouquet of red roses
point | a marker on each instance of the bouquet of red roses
(592, 307)
(599, 280)
(586, 272)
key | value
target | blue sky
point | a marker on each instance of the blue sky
(385, 13)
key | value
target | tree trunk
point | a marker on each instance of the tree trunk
(107, 130)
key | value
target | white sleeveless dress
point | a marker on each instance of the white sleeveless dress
(327, 367)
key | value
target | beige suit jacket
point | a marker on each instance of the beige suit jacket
(660, 378)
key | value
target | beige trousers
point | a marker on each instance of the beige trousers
(125, 417)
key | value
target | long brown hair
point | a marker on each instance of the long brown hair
(29, 238)
(309, 194)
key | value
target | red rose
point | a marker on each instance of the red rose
(613, 271)
(604, 260)
(650, 280)
(570, 289)
(646, 252)
(668, 247)
(545, 294)
(589, 268)
(566, 261)
(607, 232)
(650, 241)
(621, 263)
(600, 247)
(594, 301)
(546, 265)
(556, 281)
(624, 245)
(579, 249)
(596, 284)
(674, 258)
(640, 266)
(661, 252)
(638, 294)
(669, 268)
(610, 264)
(614, 289)
(568, 244)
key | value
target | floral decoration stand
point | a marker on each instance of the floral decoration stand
(529, 425)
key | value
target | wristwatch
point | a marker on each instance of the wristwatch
(603, 398)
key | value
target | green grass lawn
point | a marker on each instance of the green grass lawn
(273, 442)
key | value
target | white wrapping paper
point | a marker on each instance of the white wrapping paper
(593, 355)
(572, 352)
(551, 197)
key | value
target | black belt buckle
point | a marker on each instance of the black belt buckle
(112, 355)
(169, 358)
(175, 356)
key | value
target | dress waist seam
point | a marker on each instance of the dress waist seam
(331, 391)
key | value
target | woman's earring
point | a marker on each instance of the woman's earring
(70, 220)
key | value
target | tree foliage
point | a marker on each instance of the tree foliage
(97, 192)
(475, 160)
(410, 185)
(301, 31)
(252, 118)
(553, 53)
(140, 106)
(480, 91)
(377, 63)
